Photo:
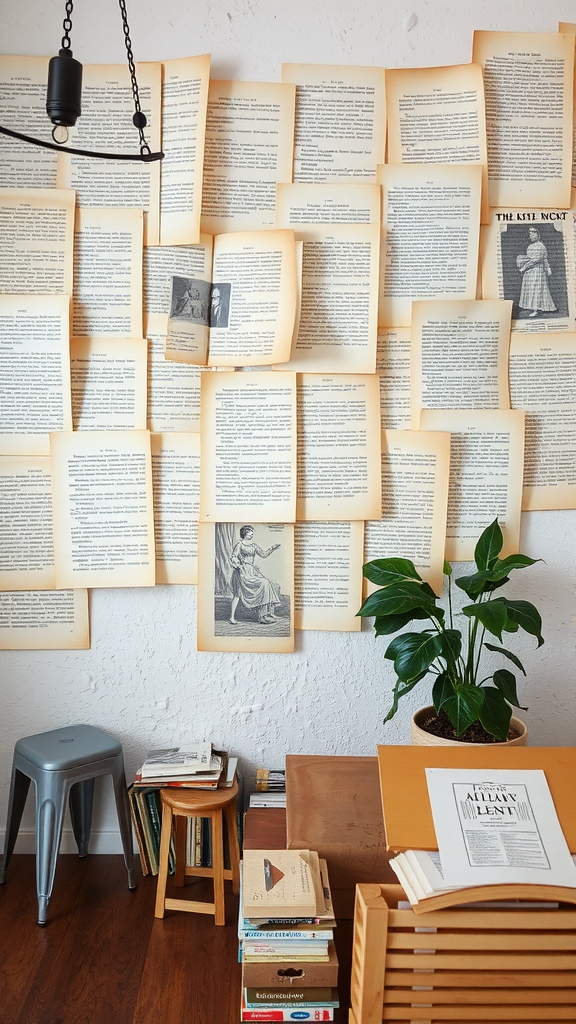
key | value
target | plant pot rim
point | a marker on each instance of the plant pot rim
(423, 738)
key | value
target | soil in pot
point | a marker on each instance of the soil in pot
(440, 725)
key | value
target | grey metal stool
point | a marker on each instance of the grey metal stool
(62, 763)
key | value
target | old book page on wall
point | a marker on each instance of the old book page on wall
(184, 99)
(176, 487)
(486, 466)
(306, 204)
(177, 298)
(431, 229)
(248, 447)
(338, 447)
(436, 116)
(103, 516)
(245, 587)
(543, 384)
(44, 620)
(415, 473)
(249, 149)
(328, 575)
(34, 372)
(109, 383)
(106, 125)
(107, 299)
(23, 101)
(528, 81)
(528, 257)
(173, 390)
(26, 547)
(459, 355)
(393, 369)
(36, 240)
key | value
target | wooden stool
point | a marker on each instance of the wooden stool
(189, 803)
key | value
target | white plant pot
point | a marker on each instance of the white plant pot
(421, 738)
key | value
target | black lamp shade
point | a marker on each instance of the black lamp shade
(64, 92)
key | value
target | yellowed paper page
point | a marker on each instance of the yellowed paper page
(327, 204)
(528, 81)
(528, 257)
(173, 391)
(34, 372)
(543, 384)
(23, 101)
(459, 355)
(107, 300)
(253, 299)
(176, 485)
(436, 116)
(415, 474)
(103, 516)
(166, 270)
(328, 575)
(184, 99)
(36, 240)
(337, 328)
(248, 447)
(44, 620)
(338, 447)
(570, 28)
(393, 369)
(106, 126)
(486, 466)
(431, 221)
(246, 587)
(109, 383)
(26, 548)
(340, 121)
(249, 149)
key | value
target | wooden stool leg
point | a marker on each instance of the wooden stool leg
(218, 867)
(180, 849)
(163, 862)
(233, 846)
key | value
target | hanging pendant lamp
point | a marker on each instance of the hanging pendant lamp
(64, 94)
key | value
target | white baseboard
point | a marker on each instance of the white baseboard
(100, 842)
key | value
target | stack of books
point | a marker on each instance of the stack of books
(286, 931)
(270, 788)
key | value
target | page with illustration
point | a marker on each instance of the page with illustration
(177, 281)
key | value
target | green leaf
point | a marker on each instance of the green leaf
(489, 546)
(447, 568)
(495, 713)
(503, 566)
(451, 641)
(464, 707)
(527, 616)
(507, 654)
(401, 688)
(442, 689)
(386, 624)
(474, 584)
(413, 653)
(397, 598)
(384, 571)
(492, 615)
(505, 682)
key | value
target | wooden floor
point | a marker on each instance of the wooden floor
(104, 959)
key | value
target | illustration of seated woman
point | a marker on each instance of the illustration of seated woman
(249, 584)
(535, 270)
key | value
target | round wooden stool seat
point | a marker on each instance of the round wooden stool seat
(178, 805)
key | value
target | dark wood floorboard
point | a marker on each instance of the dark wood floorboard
(105, 959)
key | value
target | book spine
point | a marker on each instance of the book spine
(322, 1013)
(144, 863)
(262, 935)
(291, 995)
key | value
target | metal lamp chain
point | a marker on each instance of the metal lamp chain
(67, 25)
(139, 118)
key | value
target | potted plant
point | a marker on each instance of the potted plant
(469, 705)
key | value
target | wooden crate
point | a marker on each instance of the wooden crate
(460, 964)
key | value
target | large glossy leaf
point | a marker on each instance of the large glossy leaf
(503, 566)
(464, 706)
(492, 615)
(507, 654)
(397, 598)
(474, 584)
(401, 688)
(413, 653)
(384, 571)
(527, 616)
(495, 713)
(451, 641)
(442, 689)
(447, 568)
(386, 624)
(489, 546)
(505, 682)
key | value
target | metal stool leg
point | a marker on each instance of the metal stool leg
(51, 796)
(81, 802)
(124, 819)
(19, 786)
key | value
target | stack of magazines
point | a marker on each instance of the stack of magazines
(286, 932)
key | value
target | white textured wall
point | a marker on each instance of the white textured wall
(143, 679)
